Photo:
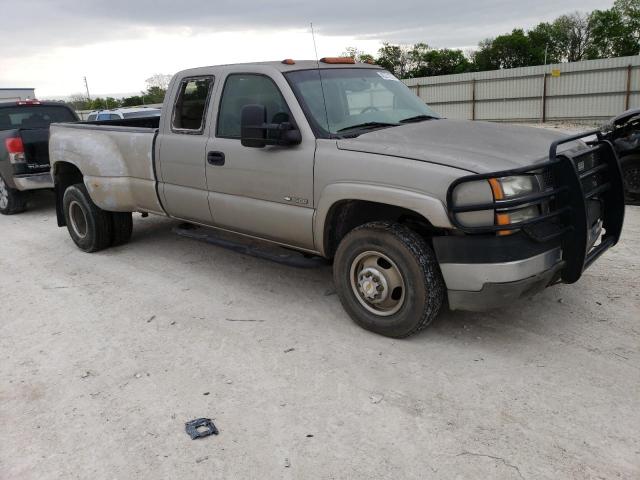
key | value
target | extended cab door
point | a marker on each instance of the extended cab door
(181, 149)
(265, 192)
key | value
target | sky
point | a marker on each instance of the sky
(117, 44)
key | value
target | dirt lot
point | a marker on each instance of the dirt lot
(105, 356)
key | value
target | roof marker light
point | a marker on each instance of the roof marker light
(335, 60)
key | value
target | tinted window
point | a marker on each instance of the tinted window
(104, 116)
(191, 104)
(247, 89)
(114, 116)
(33, 116)
(152, 112)
(91, 117)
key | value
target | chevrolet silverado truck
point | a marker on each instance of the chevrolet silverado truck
(24, 149)
(341, 160)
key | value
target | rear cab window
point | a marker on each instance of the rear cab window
(190, 109)
(33, 116)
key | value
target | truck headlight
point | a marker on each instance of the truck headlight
(513, 187)
(507, 188)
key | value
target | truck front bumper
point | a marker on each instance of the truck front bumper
(33, 181)
(498, 294)
(488, 272)
(581, 214)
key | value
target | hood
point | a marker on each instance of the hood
(478, 147)
(625, 117)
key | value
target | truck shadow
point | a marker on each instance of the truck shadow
(545, 314)
(41, 201)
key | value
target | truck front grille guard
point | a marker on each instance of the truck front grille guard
(582, 180)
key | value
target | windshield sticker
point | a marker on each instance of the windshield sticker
(388, 76)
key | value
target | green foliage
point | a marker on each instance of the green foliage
(569, 38)
(615, 32)
(156, 89)
(395, 58)
(505, 51)
(428, 62)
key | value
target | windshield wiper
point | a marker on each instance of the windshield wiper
(418, 118)
(367, 125)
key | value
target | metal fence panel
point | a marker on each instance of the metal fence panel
(592, 90)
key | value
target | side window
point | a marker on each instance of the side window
(114, 116)
(249, 89)
(191, 105)
(91, 118)
(103, 116)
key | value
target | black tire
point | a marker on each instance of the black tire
(121, 228)
(90, 227)
(631, 176)
(423, 285)
(12, 201)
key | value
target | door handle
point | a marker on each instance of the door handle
(215, 158)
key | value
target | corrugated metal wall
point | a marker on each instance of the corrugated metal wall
(592, 90)
(9, 94)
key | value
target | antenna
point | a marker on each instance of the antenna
(324, 98)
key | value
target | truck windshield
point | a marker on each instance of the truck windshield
(356, 99)
(33, 116)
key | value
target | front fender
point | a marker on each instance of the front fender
(427, 206)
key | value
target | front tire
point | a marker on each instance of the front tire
(388, 279)
(90, 227)
(12, 201)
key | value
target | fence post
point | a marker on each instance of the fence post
(628, 97)
(473, 99)
(418, 90)
(544, 97)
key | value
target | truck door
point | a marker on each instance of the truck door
(265, 192)
(181, 151)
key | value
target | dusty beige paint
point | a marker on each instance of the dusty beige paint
(115, 183)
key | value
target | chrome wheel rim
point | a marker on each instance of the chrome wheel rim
(377, 283)
(4, 194)
(78, 219)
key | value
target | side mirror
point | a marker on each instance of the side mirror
(255, 132)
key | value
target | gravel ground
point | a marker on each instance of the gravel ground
(104, 357)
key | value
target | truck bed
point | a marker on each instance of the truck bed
(116, 158)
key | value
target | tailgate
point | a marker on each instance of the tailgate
(36, 148)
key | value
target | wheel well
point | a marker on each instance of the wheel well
(346, 215)
(64, 175)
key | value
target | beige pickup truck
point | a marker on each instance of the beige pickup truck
(341, 160)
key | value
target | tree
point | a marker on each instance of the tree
(154, 95)
(615, 32)
(358, 55)
(574, 31)
(427, 62)
(505, 51)
(79, 102)
(395, 58)
(548, 43)
(159, 80)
